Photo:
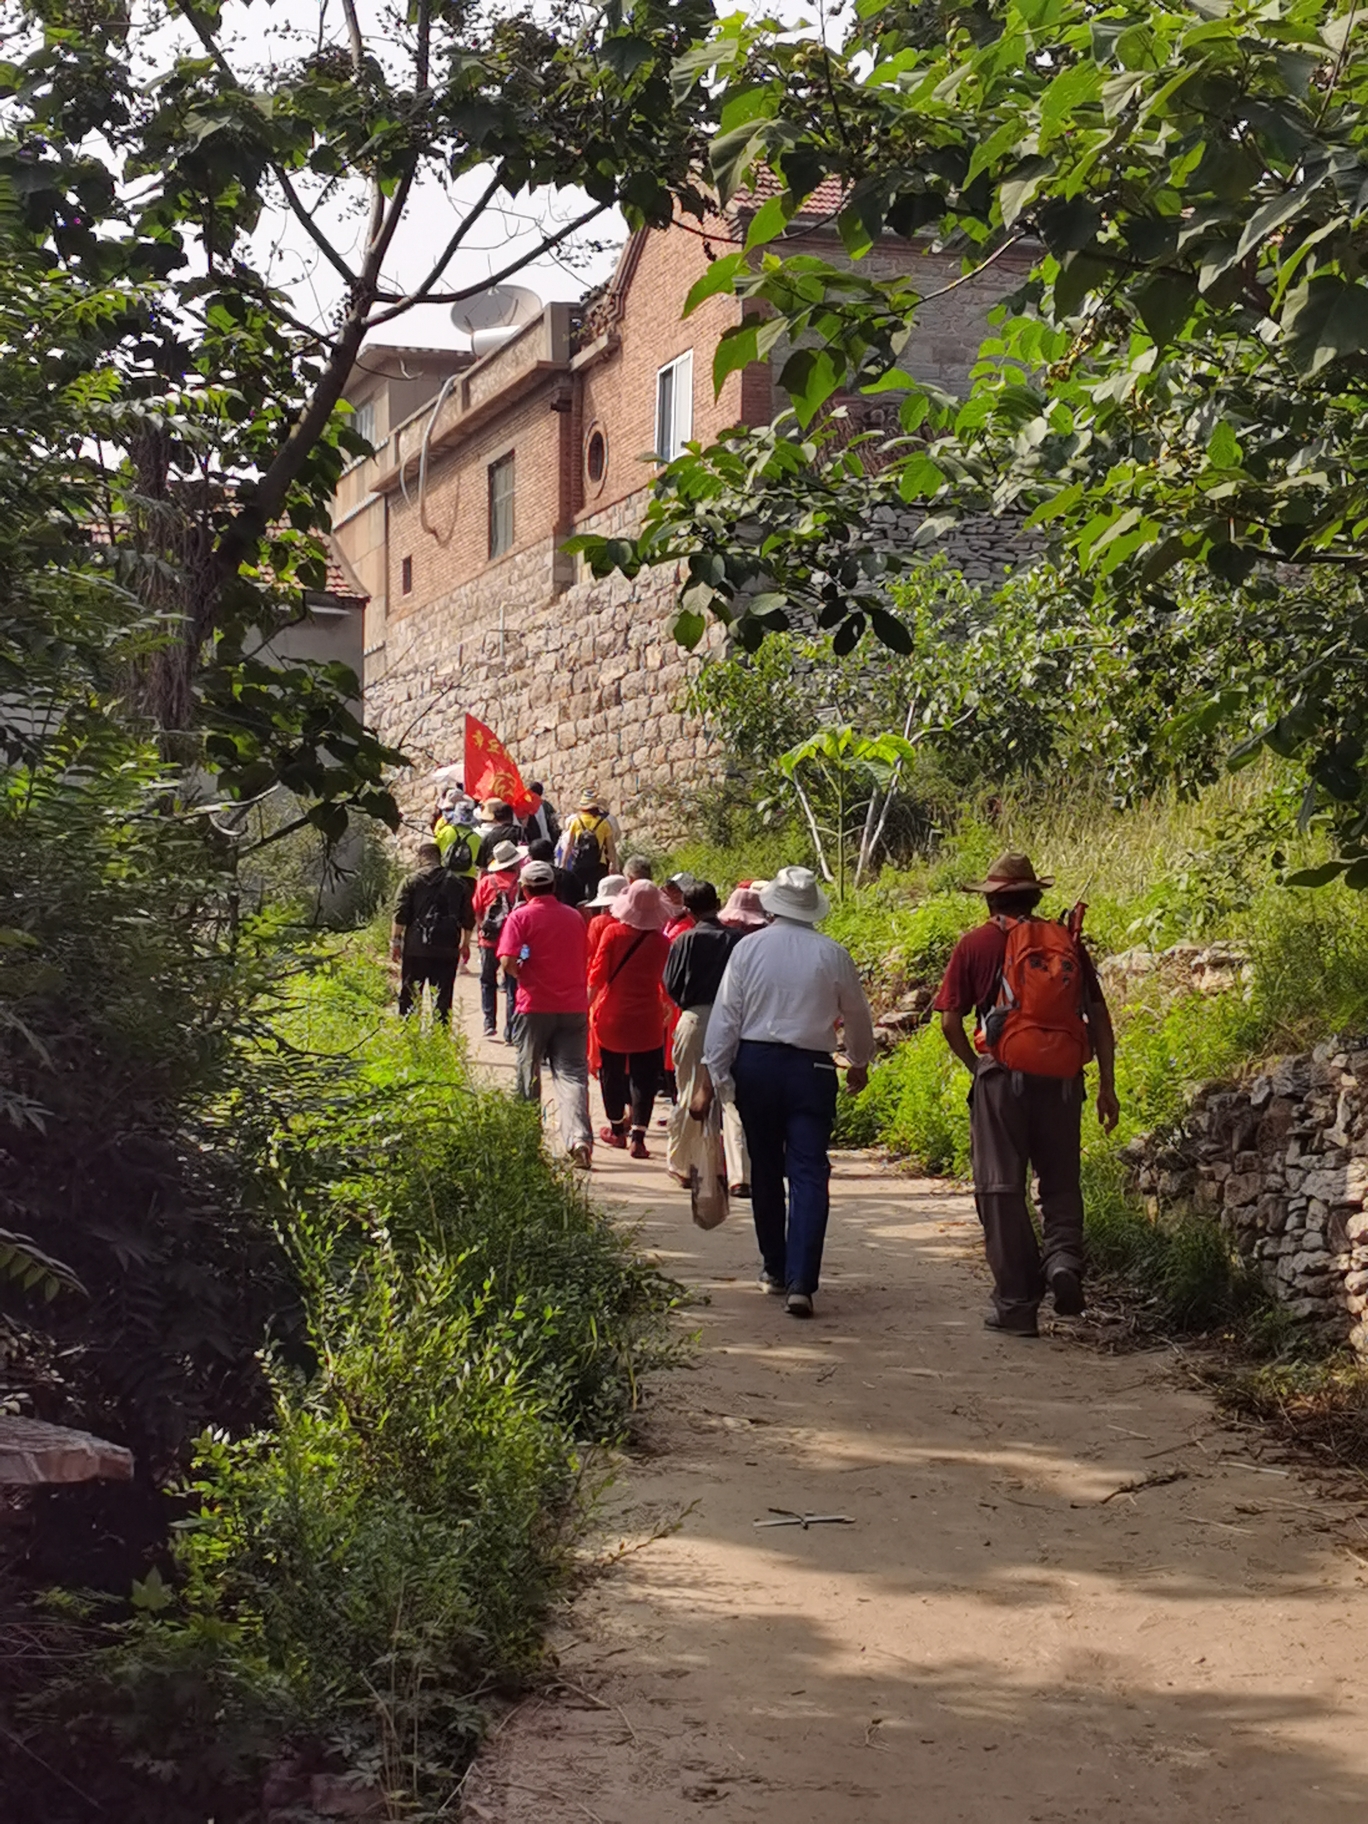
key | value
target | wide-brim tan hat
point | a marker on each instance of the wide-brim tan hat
(1011, 872)
(794, 893)
(505, 855)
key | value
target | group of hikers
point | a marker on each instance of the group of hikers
(743, 1010)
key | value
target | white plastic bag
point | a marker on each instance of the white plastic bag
(701, 1157)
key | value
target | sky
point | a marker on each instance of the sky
(277, 31)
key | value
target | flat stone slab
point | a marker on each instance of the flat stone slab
(34, 1454)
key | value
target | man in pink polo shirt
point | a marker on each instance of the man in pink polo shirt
(543, 947)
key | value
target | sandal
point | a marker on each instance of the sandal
(637, 1150)
(612, 1136)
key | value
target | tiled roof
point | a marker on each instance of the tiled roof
(339, 583)
(825, 199)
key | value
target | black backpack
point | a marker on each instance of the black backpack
(493, 921)
(585, 859)
(437, 928)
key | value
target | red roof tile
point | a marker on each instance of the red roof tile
(825, 199)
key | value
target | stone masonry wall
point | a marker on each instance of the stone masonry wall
(1283, 1162)
(585, 688)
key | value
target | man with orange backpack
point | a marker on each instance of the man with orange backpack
(1041, 1016)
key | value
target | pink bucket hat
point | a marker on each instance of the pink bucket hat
(743, 911)
(642, 905)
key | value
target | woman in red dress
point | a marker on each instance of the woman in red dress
(626, 1010)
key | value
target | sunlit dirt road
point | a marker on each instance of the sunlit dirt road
(1001, 1633)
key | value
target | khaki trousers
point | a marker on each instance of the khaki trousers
(689, 1036)
(1017, 1123)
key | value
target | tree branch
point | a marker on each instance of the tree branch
(813, 826)
(206, 37)
(422, 61)
(358, 43)
(399, 305)
(477, 209)
(311, 228)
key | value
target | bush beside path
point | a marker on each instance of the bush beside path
(1071, 1591)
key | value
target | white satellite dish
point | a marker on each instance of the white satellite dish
(491, 317)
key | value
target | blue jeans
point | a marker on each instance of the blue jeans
(787, 1103)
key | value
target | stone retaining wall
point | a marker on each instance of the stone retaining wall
(586, 688)
(1283, 1162)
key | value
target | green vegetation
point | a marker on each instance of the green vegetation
(381, 1550)
(1164, 870)
(1172, 393)
(236, 1206)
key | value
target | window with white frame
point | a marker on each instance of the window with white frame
(363, 421)
(501, 505)
(674, 407)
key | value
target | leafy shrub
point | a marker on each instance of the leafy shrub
(752, 852)
(388, 1548)
(362, 1568)
(129, 983)
(1182, 1266)
(915, 1104)
(885, 928)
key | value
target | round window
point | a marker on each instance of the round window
(596, 457)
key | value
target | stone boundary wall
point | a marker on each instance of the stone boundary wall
(584, 686)
(1282, 1161)
(583, 682)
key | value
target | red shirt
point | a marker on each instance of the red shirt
(971, 975)
(629, 1012)
(679, 924)
(596, 925)
(552, 978)
(487, 889)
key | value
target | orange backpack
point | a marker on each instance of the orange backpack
(1038, 1025)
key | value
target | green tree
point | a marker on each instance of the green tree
(1181, 381)
(143, 153)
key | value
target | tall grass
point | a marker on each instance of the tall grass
(1166, 871)
(359, 1572)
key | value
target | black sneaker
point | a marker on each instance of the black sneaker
(1066, 1288)
(799, 1304)
(1023, 1324)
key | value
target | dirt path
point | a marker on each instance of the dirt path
(1000, 1633)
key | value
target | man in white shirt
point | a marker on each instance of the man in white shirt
(770, 1040)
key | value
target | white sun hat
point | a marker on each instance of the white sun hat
(609, 888)
(794, 893)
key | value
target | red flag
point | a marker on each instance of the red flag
(489, 769)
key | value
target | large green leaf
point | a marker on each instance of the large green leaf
(1325, 320)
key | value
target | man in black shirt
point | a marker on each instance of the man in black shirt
(693, 975)
(432, 918)
(570, 890)
(503, 827)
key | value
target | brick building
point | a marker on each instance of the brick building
(484, 467)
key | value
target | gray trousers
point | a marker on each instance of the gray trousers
(1018, 1122)
(562, 1041)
